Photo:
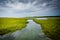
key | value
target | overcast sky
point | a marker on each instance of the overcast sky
(23, 8)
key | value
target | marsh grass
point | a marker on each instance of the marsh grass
(11, 24)
(51, 27)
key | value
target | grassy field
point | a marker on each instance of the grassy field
(51, 27)
(11, 24)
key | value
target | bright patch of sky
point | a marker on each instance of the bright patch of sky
(16, 8)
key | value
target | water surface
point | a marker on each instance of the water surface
(33, 31)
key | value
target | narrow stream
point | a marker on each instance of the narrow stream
(33, 31)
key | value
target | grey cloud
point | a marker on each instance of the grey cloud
(54, 4)
(49, 3)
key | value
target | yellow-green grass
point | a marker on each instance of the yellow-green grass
(51, 27)
(8, 25)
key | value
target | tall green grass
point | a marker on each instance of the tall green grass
(51, 27)
(11, 24)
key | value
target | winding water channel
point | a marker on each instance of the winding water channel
(33, 31)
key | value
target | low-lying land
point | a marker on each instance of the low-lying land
(51, 27)
(11, 24)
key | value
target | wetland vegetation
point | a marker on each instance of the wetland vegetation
(50, 26)
(11, 24)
